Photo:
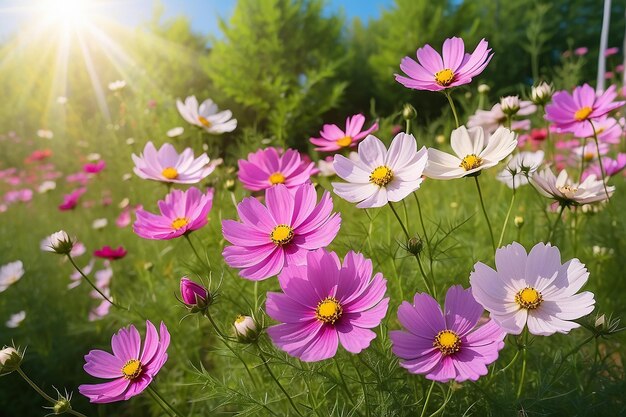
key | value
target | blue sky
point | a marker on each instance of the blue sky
(203, 13)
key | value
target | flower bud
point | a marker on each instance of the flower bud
(194, 295)
(409, 112)
(59, 242)
(541, 94)
(245, 328)
(483, 89)
(10, 360)
(518, 221)
(229, 184)
(61, 406)
(415, 245)
(510, 105)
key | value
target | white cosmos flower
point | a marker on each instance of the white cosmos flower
(521, 166)
(99, 223)
(175, 131)
(510, 104)
(379, 176)
(10, 274)
(490, 120)
(16, 319)
(532, 289)
(45, 134)
(567, 192)
(206, 116)
(472, 153)
(59, 242)
(117, 85)
(46, 186)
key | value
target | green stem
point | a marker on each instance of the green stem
(363, 386)
(193, 248)
(595, 138)
(482, 204)
(430, 250)
(508, 214)
(82, 274)
(269, 371)
(456, 117)
(408, 126)
(343, 381)
(395, 213)
(523, 373)
(163, 404)
(556, 221)
(35, 387)
(217, 329)
(582, 161)
(430, 390)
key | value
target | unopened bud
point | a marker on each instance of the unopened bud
(541, 94)
(246, 328)
(518, 221)
(483, 89)
(409, 112)
(229, 184)
(195, 296)
(10, 360)
(415, 245)
(510, 105)
(61, 406)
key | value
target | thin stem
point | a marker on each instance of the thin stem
(482, 204)
(162, 404)
(395, 213)
(408, 126)
(82, 274)
(269, 371)
(217, 329)
(582, 161)
(343, 380)
(595, 138)
(508, 214)
(193, 248)
(430, 250)
(35, 387)
(363, 386)
(430, 390)
(523, 374)
(456, 117)
(556, 221)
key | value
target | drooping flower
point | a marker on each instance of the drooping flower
(16, 319)
(491, 120)
(472, 153)
(576, 112)
(71, 200)
(268, 167)
(569, 193)
(533, 289)
(380, 175)
(206, 116)
(446, 345)
(106, 252)
(435, 73)
(10, 273)
(519, 168)
(181, 213)
(333, 138)
(58, 242)
(168, 166)
(131, 368)
(280, 233)
(324, 303)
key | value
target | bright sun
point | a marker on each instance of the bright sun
(67, 13)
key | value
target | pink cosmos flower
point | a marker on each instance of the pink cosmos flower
(611, 51)
(131, 368)
(79, 177)
(71, 200)
(446, 345)
(191, 292)
(435, 73)
(168, 166)
(333, 138)
(325, 303)
(124, 217)
(575, 112)
(107, 252)
(181, 213)
(581, 51)
(280, 233)
(491, 120)
(608, 130)
(267, 167)
(94, 167)
(38, 155)
(611, 167)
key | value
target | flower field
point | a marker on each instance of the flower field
(195, 230)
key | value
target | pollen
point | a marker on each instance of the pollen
(180, 222)
(170, 173)
(568, 191)
(344, 141)
(277, 178)
(131, 369)
(448, 342)
(471, 162)
(381, 176)
(583, 114)
(528, 298)
(204, 122)
(444, 77)
(240, 319)
(329, 310)
(281, 234)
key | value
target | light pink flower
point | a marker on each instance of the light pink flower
(333, 138)
(268, 167)
(167, 165)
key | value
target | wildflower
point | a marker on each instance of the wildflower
(569, 193)
(280, 233)
(16, 319)
(611, 166)
(581, 51)
(435, 73)
(58, 242)
(333, 138)
(168, 166)
(131, 371)
(472, 154)
(71, 200)
(95, 167)
(611, 51)
(575, 112)
(542, 93)
(491, 120)
(117, 85)
(510, 105)
(194, 294)
(45, 134)
(181, 213)
(533, 289)
(483, 89)
(519, 168)
(10, 360)
(245, 328)
(106, 252)
(206, 116)
(324, 303)
(518, 221)
(267, 167)
(46, 186)
(175, 131)
(10, 273)
(380, 175)
(408, 112)
(446, 345)
(98, 224)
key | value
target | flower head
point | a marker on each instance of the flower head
(194, 294)
(167, 165)
(324, 303)
(542, 93)
(333, 138)
(510, 105)
(206, 116)
(10, 360)
(435, 73)
(380, 175)
(279, 233)
(246, 328)
(71, 200)
(109, 253)
(16, 319)
(94, 167)
(268, 167)
(491, 120)
(569, 193)
(533, 289)
(611, 167)
(131, 368)
(58, 242)
(446, 345)
(10, 274)
(521, 166)
(472, 153)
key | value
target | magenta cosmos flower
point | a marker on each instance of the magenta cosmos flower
(107, 252)
(446, 345)
(181, 212)
(267, 167)
(71, 200)
(281, 233)
(325, 303)
(168, 166)
(435, 73)
(333, 138)
(130, 368)
(575, 112)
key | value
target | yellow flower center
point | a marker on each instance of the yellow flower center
(204, 122)
(447, 342)
(277, 178)
(170, 173)
(329, 310)
(180, 222)
(528, 298)
(281, 234)
(131, 369)
(344, 141)
(444, 77)
(471, 162)
(239, 319)
(568, 191)
(583, 113)
(381, 176)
